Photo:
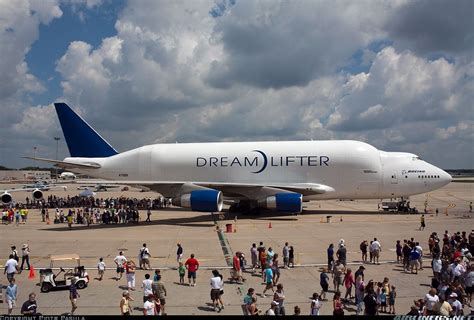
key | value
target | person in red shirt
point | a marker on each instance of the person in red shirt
(192, 265)
(457, 254)
(236, 270)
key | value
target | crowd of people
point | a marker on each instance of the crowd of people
(84, 210)
(53, 201)
(15, 215)
(450, 289)
(452, 283)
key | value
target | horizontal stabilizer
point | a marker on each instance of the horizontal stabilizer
(67, 164)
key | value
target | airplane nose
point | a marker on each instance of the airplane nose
(445, 177)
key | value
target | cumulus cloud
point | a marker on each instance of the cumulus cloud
(401, 87)
(434, 26)
(272, 44)
(19, 24)
(225, 70)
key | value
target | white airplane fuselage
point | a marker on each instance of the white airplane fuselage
(354, 169)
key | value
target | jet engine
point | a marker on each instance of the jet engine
(283, 202)
(37, 194)
(201, 200)
(6, 198)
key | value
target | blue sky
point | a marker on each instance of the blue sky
(78, 23)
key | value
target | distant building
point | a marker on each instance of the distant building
(24, 175)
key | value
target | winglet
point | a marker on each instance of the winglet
(82, 140)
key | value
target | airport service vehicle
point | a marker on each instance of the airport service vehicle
(277, 175)
(50, 281)
(67, 176)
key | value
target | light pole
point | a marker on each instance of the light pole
(57, 146)
(34, 156)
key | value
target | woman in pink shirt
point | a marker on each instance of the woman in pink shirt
(348, 283)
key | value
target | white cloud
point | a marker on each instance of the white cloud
(265, 70)
(410, 89)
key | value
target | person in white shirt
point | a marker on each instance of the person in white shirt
(120, 261)
(420, 251)
(375, 249)
(215, 289)
(431, 299)
(101, 268)
(144, 258)
(25, 256)
(147, 287)
(315, 305)
(457, 269)
(271, 311)
(455, 304)
(437, 265)
(11, 266)
(149, 308)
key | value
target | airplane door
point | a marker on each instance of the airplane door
(393, 179)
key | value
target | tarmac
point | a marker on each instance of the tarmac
(198, 233)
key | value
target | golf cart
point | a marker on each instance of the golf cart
(63, 279)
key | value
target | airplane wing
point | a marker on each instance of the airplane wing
(67, 164)
(31, 189)
(250, 191)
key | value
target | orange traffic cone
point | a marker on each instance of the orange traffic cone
(32, 274)
(270, 225)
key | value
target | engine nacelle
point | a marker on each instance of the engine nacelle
(6, 198)
(201, 200)
(37, 194)
(283, 202)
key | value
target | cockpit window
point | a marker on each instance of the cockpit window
(416, 158)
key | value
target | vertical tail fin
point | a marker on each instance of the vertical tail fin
(81, 139)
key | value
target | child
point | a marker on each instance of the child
(378, 295)
(391, 300)
(182, 272)
(383, 301)
(101, 268)
(315, 305)
(17, 217)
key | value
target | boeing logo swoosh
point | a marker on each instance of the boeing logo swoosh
(265, 161)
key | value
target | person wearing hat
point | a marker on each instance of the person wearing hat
(25, 256)
(455, 304)
(271, 311)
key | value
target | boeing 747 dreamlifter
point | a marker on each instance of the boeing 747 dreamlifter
(278, 175)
